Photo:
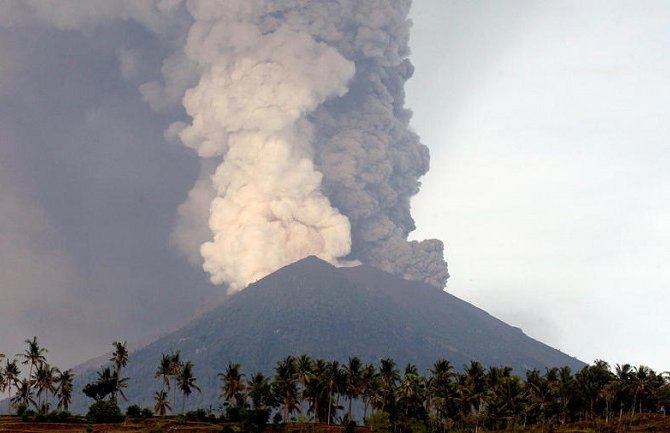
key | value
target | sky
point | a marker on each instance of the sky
(547, 127)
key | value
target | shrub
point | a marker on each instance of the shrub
(277, 419)
(21, 409)
(351, 427)
(59, 416)
(255, 420)
(233, 414)
(104, 411)
(147, 413)
(196, 415)
(416, 426)
(134, 411)
(379, 422)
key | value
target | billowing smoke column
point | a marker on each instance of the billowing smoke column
(298, 113)
(296, 108)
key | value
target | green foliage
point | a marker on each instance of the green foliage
(101, 388)
(379, 422)
(229, 429)
(134, 411)
(255, 420)
(233, 414)
(277, 419)
(416, 426)
(196, 415)
(21, 409)
(104, 411)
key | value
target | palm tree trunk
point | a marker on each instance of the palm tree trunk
(330, 405)
(174, 395)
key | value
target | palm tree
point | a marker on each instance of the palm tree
(284, 386)
(43, 380)
(369, 381)
(259, 390)
(316, 389)
(11, 374)
(624, 387)
(643, 380)
(304, 365)
(162, 403)
(119, 358)
(24, 394)
(3, 381)
(33, 355)
(64, 381)
(333, 384)
(164, 370)
(565, 390)
(590, 381)
(186, 382)
(175, 371)
(411, 392)
(388, 383)
(440, 389)
(232, 389)
(353, 378)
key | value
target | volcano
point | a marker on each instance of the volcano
(311, 307)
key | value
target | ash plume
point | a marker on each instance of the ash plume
(296, 109)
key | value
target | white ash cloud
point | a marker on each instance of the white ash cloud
(297, 111)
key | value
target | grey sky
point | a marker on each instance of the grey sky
(548, 126)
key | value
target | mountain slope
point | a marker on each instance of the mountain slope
(314, 308)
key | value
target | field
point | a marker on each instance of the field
(643, 423)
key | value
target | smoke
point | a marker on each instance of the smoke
(296, 109)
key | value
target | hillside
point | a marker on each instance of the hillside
(314, 308)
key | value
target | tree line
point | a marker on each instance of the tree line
(306, 389)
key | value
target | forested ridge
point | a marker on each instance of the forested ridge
(384, 396)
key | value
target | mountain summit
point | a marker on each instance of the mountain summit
(314, 308)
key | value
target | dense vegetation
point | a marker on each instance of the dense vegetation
(385, 396)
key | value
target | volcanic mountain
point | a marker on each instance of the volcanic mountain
(314, 308)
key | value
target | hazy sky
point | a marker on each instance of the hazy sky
(547, 124)
(549, 129)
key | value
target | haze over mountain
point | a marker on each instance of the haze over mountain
(315, 308)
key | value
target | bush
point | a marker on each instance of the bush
(196, 415)
(255, 420)
(277, 419)
(59, 416)
(104, 411)
(379, 422)
(21, 409)
(147, 413)
(351, 427)
(229, 429)
(233, 414)
(134, 411)
(416, 426)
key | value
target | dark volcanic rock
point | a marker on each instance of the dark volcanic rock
(314, 308)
